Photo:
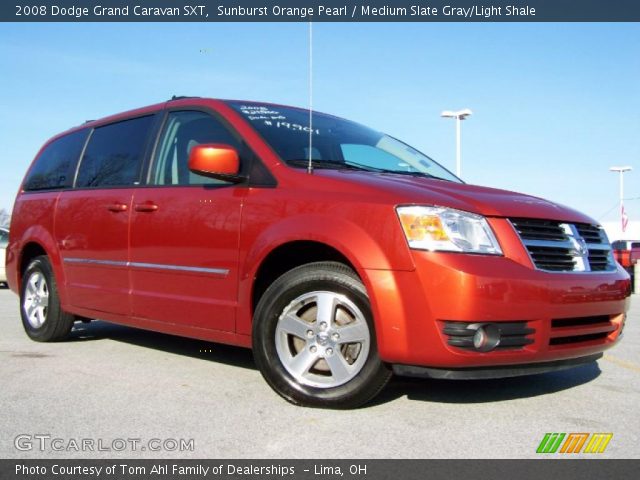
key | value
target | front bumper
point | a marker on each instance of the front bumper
(500, 371)
(411, 310)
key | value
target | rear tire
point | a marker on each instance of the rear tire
(314, 339)
(42, 318)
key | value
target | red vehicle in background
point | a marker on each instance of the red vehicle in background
(626, 252)
(338, 253)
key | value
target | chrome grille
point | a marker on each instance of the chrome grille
(539, 230)
(591, 233)
(552, 258)
(565, 247)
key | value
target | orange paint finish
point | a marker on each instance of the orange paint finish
(184, 259)
(458, 287)
(214, 159)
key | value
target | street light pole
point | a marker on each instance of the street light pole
(621, 171)
(458, 149)
(459, 116)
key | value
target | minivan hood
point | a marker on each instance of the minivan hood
(472, 198)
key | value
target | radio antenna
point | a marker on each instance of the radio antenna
(310, 165)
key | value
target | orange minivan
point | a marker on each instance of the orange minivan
(338, 253)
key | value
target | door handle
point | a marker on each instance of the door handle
(146, 207)
(117, 207)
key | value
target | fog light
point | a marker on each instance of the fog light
(480, 338)
(486, 338)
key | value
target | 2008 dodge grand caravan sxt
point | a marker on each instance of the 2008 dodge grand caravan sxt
(338, 253)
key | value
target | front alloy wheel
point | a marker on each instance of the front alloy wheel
(313, 338)
(322, 339)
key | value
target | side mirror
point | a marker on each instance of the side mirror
(214, 160)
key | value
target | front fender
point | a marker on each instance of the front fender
(351, 240)
(366, 250)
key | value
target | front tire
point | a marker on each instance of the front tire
(314, 338)
(42, 318)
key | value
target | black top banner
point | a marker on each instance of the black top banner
(320, 11)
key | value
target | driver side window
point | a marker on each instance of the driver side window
(182, 131)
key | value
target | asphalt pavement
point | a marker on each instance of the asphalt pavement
(118, 392)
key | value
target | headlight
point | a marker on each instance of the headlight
(446, 229)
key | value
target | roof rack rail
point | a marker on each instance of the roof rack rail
(180, 97)
(89, 121)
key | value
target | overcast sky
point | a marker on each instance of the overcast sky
(554, 104)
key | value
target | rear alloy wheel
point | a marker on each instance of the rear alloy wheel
(36, 300)
(42, 317)
(314, 340)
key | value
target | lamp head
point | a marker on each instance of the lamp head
(460, 114)
(623, 169)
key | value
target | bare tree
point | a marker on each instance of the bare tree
(5, 218)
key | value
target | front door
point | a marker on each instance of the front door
(185, 232)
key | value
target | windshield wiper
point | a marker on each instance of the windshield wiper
(303, 162)
(414, 173)
(348, 164)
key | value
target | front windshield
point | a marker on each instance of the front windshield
(336, 143)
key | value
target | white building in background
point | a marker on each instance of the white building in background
(614, 230)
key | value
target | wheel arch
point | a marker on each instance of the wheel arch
(37, 241)
(313, 237)
(30, 251)
(288, 256)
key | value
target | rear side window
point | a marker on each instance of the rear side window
(55, 166)
(114, 154)
(4, 238)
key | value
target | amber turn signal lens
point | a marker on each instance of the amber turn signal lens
(420, 227)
